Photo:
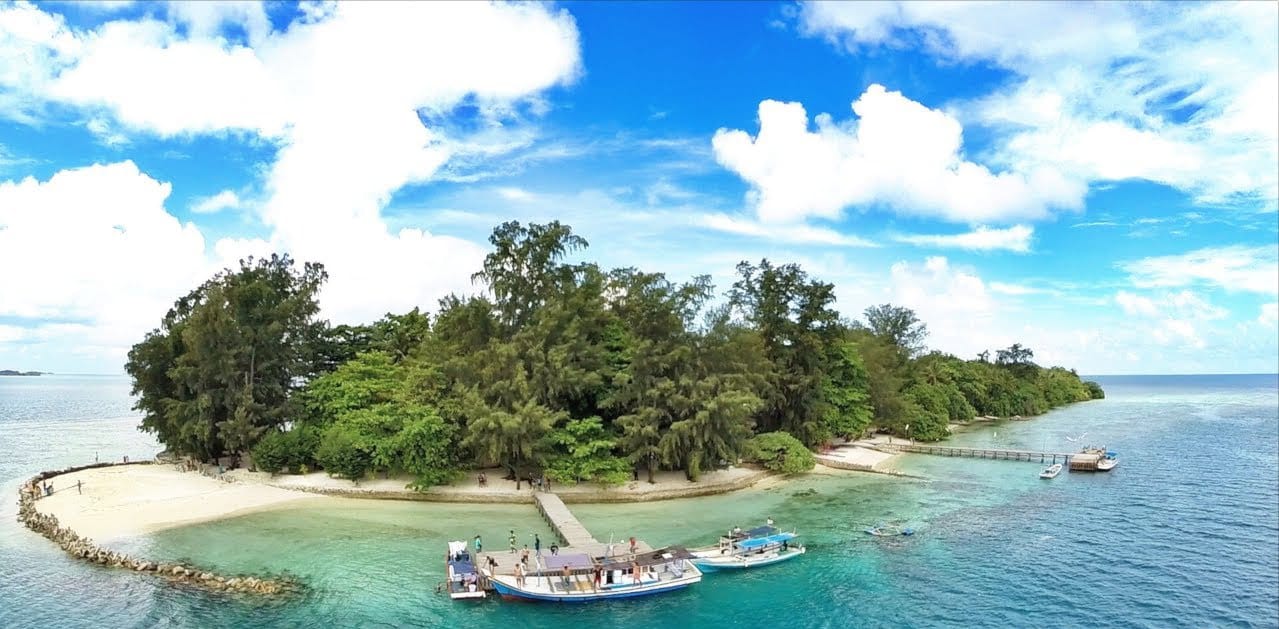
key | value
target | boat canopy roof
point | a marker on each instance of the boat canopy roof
(456, 547)
(759, 531)
(652, 558)
(768, 540)
(572, 560)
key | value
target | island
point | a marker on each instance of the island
(559, 381)
(11, 372)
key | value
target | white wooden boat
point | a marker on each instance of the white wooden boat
(574, 578)
(463, 581)
(1051, 471)
(744, 560)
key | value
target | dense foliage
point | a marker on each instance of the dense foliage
(779, 452)
(558, 368)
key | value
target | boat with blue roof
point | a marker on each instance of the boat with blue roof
(463, 581)
(757, 547)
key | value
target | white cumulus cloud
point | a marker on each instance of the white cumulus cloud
(1016, 238)
(348, 93)
(224, 200)
(1234, 268)
(1187, 95)
(897, 152)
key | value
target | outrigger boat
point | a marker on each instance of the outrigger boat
(1051, 471)
(887, 530)
(463, 581)
(579, 578)
(761, 546)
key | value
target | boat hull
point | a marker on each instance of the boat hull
(739, 562)
(511, 591)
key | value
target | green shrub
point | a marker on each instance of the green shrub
(779, 452)
(1094, 391)
(344, 452)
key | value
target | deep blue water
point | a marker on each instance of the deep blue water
(1185, 533)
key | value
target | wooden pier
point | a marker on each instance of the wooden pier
(562, 521)
(984, 453)
(573, 537)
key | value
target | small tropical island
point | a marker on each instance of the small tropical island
(558, 370)
(13, 372)
(597, 385)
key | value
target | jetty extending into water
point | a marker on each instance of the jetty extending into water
(573, 536)
(983, 453)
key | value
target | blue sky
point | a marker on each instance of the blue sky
(1096, 181)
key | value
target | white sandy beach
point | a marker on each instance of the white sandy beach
(129, 500)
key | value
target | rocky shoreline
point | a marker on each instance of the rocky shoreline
(85, 549)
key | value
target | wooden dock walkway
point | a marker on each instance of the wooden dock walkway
(573, 537)
(983, 453)
(562, 521)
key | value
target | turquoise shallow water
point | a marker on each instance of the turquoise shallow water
(1185, 533)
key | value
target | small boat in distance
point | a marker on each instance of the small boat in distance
(888, 530)
(762, 546)
(463, 581)
(1051, 471)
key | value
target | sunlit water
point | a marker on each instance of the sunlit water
(1185, 533)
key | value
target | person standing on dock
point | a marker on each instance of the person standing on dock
(633, 545)
(537, 544)
(512, 541)
(479, 545)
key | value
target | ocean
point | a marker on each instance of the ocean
(1184, 533)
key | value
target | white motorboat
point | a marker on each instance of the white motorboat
(1051, 471)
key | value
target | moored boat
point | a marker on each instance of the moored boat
(579, 578)
(1051, 471)
(750, 552)
(463, 581)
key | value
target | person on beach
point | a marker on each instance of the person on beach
(537, 544)
(512, 541)
(78, 485)
(479, 545)
(483, 480)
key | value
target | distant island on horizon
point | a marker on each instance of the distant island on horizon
(12, 372)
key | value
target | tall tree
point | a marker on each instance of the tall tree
(793, 316)
(524, 268)
(221, 368)
(899, 326)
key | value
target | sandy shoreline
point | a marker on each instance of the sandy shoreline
(123, 501)
(130, 500)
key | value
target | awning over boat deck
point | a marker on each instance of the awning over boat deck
(575, 561)
(462, 567)
(657, 557)
(759, 531)
(761, 542)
